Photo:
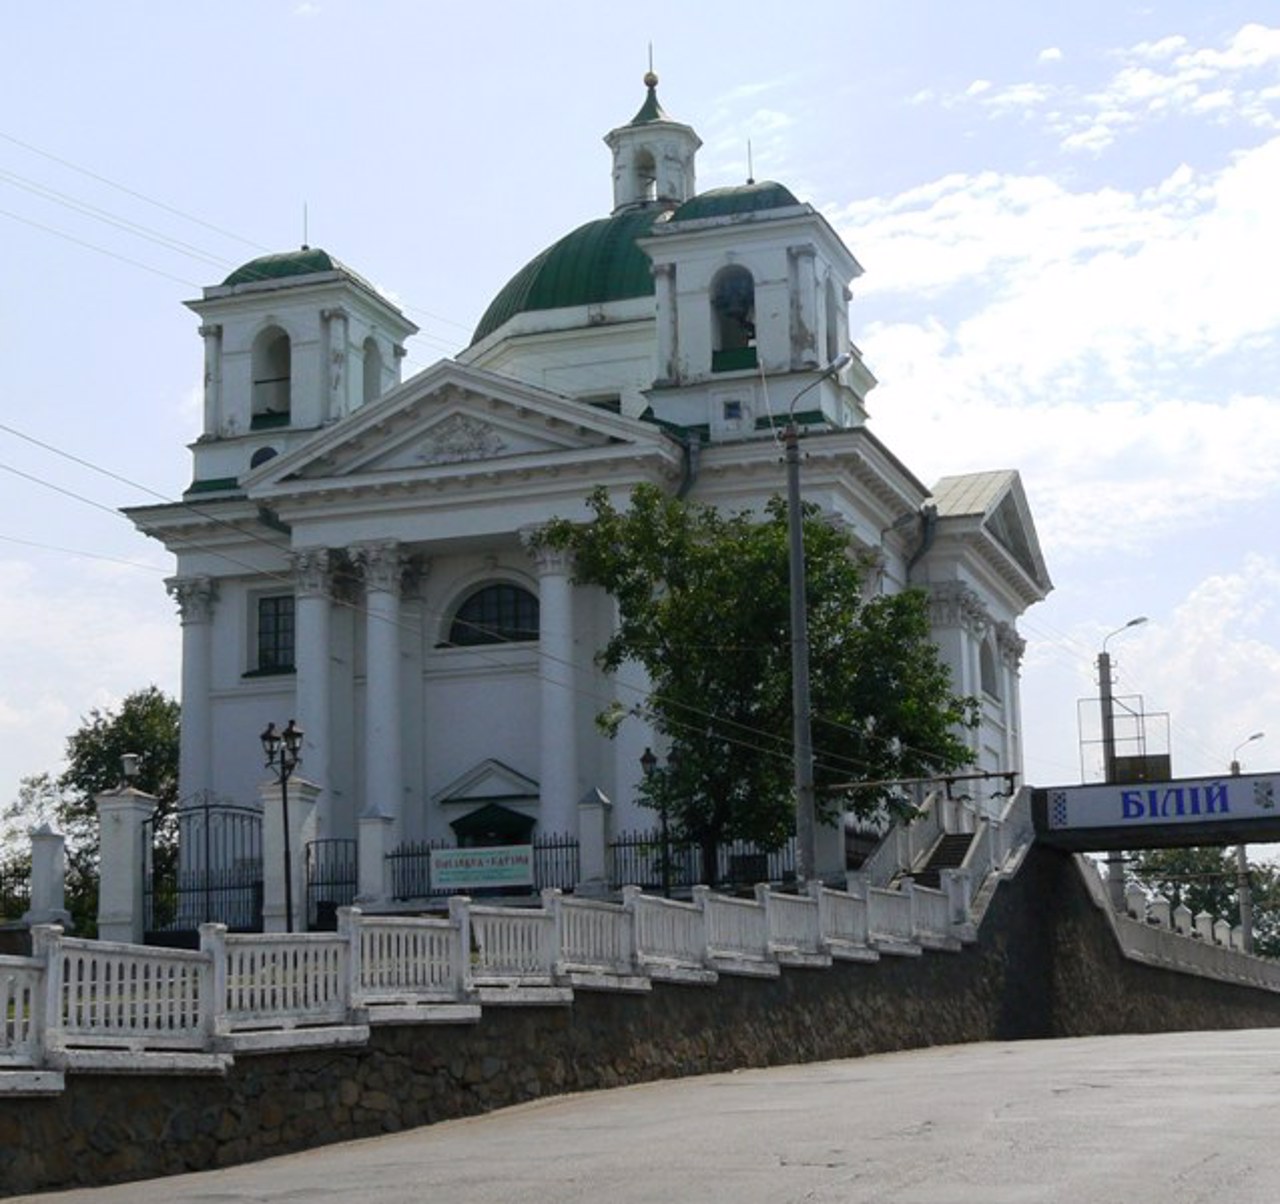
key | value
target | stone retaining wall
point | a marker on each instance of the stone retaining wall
(1046, 965)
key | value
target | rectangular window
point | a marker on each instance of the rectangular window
(275, 634)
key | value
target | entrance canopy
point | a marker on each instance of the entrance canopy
(1239, 809)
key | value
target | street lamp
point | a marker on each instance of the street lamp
(801, 722)
(1244, 891)
(283, 751)
(1115, 859)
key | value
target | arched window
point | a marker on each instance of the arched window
(495, 614)
(733, 320)
(372, 369)
(988, 670)
(646, 176)
(272, 371)
(261, 456)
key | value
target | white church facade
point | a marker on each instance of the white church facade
(354, 551)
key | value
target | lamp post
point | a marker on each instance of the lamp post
(648, 763)
(1243, 890)
(1115, 859)
(801, 721)
(283, 751)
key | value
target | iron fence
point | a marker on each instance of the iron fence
(15, 891)
(636, 859)
(204, 864)
(555, 864)
(331, 881)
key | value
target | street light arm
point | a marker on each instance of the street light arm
(838, 364)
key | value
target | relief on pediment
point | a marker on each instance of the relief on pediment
(457, 439)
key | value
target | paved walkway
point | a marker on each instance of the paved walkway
(1168, 1119)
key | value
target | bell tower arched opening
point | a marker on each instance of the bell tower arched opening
(272, 379)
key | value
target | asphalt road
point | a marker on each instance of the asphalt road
(1171, 1118)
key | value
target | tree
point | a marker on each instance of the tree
(702, 600)
(146, 723)
(1206, 879)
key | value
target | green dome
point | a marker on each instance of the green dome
(741, 198)
(304, 262)
(598, 262)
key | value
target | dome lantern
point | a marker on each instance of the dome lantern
(652, 156)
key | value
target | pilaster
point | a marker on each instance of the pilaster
(196, 597)
(313, 583)
(383, 566)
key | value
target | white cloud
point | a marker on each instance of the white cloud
(1050, 54)
(978, 87)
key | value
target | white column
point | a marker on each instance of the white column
(335, 390)
(804, 307)
(383, 567)
(212, 335)
(664, 283)
(558, 739)
(122, 863)
(312, 658)
(48, 879)
(195, 597)
(277, 850)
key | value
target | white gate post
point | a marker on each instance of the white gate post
(594, 810)
(48, 879)
(302, 804)
(123, 860)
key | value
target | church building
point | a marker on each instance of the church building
(354, 550)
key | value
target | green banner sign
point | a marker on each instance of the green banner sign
(464, 869)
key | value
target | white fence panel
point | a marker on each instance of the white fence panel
(736, 927)
(844, 917)
(668, 930)
(107, 993)
(510, 942)
(931, 918)
(21, 981)
(410, 957)
(596, 935)
(286, 979)
(889, 914)
(793, 921)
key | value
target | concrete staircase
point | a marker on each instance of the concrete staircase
(948, 854)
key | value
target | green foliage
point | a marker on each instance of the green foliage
(146, 723)
(703, 602)
(1206, 879)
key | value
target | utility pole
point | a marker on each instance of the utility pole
(1244, 891)
(1115, 859)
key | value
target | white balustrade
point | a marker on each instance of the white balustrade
(924, 831)
(282, 979)
(889, 914)
(512, 943)
(667, 930)
(21, 987)
(403, 958)
(594, 935)
(842, 916)
(793, 921)
(736, 928)
(104, 993)
(930, 919)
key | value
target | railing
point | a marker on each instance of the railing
(889, 914)
(107, 993)
(408, 958)
(636, 859)
(666, 930)
(21, 987)
(281, 979)
(594, 934)
(929, 913)
(843, 917)
(512, 943)
(556, 861)
(410, 866)
(925, 830)
(331, 881)
(735, 927)
(793, 922)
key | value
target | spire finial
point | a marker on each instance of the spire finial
(751, 171)
(650, 79)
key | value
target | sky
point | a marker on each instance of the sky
(1066, 215)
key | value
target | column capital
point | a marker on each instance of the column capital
(382, 564)
(954, 604)
(804, 250)
(195, 597)
(335, 312)
(313, 572)
(546, 559)
(210, 330)
(661, 270)
(1010, 645)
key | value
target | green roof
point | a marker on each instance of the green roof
(597, 262)
(651, 110)
(741, 198)
(304, 262)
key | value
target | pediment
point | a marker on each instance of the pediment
(452, 417)
(993, 506)
(488, 782)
